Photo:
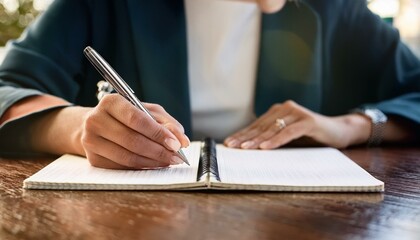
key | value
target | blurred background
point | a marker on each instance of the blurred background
(16, 15)
(404, 15)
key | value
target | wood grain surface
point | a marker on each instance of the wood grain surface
(42, 214)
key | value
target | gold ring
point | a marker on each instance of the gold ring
(280, 123)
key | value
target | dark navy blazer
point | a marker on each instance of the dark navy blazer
(329, 56)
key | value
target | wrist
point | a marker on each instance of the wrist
(358, 128)
(378, 121)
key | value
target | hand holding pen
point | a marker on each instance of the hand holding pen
(131, 139)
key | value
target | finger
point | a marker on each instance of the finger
(269, 133)
(286, 135)
(163, 117)
(126, 113)
(102, 162)
(120, 155)
(133, 141)
(262, 124)
(169, 122)
(271, 6)
(235, 140)
(182, 138)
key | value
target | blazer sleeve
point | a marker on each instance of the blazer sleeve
(394, 71)
(45, 59)
(49, 53)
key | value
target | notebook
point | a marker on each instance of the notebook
(214, 166)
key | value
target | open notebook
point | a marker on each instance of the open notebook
(217, 167)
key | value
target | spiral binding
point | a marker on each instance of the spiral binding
(208, 160)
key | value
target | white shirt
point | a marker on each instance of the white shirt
(223, 48)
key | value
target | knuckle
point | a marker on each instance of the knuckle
(133, 118)
(174, 126)
(89, 121)
(155, 107)
(87, 141)
(107, 100)
(91, 124)
(290, 103)
(179, 126)
(275, 107)
(158, 107)
(158, 133)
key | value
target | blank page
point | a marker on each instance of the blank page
(71, 172)
(306, 167)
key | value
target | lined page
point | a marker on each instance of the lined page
(74, 172)
(303, 167)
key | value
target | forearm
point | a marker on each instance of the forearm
(31, 126)
(59, 131)
(398, 130)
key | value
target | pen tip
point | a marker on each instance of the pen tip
(183, 157)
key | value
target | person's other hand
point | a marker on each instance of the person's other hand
(271, 6)
(287, 122)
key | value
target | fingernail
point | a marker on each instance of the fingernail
(232, 142)
(175, 160)
(172, 144)
(247, 144)
(187, 139)
(265, 145)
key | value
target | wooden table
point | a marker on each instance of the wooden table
(394, 214)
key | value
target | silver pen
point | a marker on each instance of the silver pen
(119, 84)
